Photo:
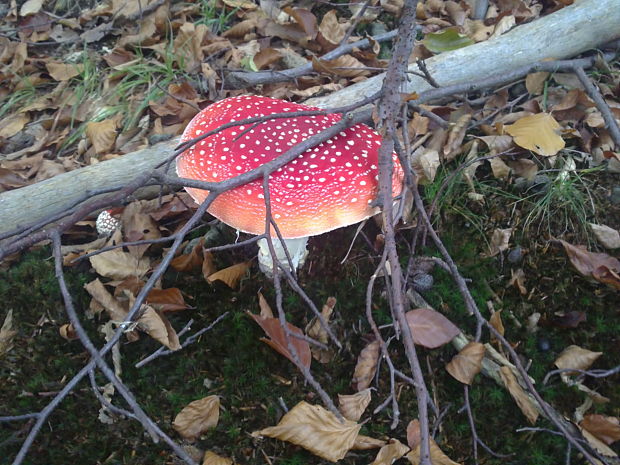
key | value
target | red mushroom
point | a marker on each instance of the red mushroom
(327, 187)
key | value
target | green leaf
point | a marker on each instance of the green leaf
(448, 39)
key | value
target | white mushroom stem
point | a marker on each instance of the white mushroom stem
(296, 250)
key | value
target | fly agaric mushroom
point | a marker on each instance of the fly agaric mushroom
(327, 187)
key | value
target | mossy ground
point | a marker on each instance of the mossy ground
(254, 381)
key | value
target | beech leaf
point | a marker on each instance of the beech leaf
(366, 366)
(277, 339)
(353, 406)
(538, 133)
(518, 394)
(197, 417)
(575, 357)
(211, 458)
(391, 452)
(231, 275)
(315, 429)
(606, 429)
(437, 455)
(429, 328)
(465, 365)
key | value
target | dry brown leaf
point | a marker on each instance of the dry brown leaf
(99, 293)
(465, 365)
(437, 455)
(7, 334)
(366, 366)
(517, 279)
(315, 429)
(230, 275)
(593, 265)
(331, 30)
(391, 452)
(456, 136)
(345, 66)
(102, 135)
(496, 322)
(158, 327)
(277, 339)
(605, 428)
(243, 4)
(353, 406)
(608, 237)
(538, 133)
(575, 357)
(366, 443)
(497, 144)
(315, 330)
(535, 82)
(429, 328)
(190, 261)
(67, 331)
(13, 123)
(499, 168)
(597, 444)
(518, 394)
(62, 71)
(426, 163)
(265, 309)
(500, 241)
(211, 458)
(413, 433)
(166, 300)
(197, 417)
(117, 264)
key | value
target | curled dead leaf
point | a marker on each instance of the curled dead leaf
(366, 366)
(197, 417)
(315, 429)
(465, 365)
(102, 135)
(353, 406)
(315, 330)
(67, 331)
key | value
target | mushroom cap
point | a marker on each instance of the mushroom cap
(325, 188)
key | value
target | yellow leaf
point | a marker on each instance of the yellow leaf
(538, 133)
(197, 417)
(315, 429)
(102, 135)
